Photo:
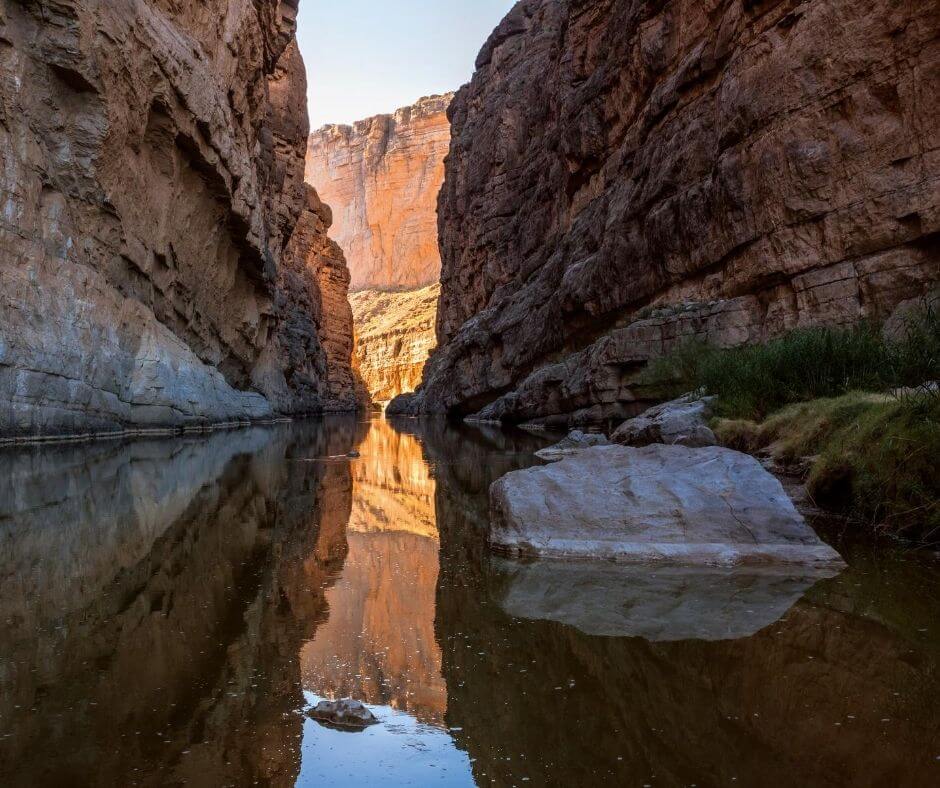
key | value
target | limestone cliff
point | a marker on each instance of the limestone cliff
(625, 174)
(152, 174)
(394, 337)
(382, 176)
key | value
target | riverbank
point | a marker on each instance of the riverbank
(854, 412)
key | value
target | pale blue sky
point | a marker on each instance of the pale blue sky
(366, 57)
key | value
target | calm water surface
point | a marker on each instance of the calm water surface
(170, 609)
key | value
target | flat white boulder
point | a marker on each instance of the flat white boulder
(706, 506)
(682, 421)
(574, 442)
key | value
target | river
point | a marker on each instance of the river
(170, 608)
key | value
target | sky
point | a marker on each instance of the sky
(366, 57)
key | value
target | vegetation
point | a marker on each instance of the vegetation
(872, 456)
(856, 405)
(753, 381)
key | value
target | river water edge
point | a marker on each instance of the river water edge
(171, 608)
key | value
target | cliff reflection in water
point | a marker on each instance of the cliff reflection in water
(170, 608)
(154, 599)
(378, 645)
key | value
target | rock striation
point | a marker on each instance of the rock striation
(152, 176)
(382, 176)
(625, 175)
(394, 337)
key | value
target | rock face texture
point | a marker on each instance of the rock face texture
(152, 175)
(382, 177)
(315, 335)
(394, 337)
(708, 506)
(623, 175)
(682, 422)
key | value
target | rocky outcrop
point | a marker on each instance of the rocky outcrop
(624, 175)
(394, 337)
(315, 334)
(682, 422)
(152, 175)
(382, 177)
(576, 441)
(708, 506)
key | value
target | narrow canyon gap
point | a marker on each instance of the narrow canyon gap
(382, 177)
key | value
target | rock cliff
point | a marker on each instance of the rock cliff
(152, 176)
(382, 176)
(626, 174)
(394, 337)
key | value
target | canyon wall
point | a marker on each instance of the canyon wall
(152, 175)
(382, 176)
(394, 337)
(625, 174)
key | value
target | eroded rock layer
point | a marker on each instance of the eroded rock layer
(394, 336)
(382, 176)
(152, 174)
(626, 174)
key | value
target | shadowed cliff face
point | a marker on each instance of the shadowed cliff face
(623, 175)
(152, 175)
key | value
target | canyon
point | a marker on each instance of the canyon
(625, 176)
(152, 179)
(382, 176)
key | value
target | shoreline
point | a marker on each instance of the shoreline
(19, 441)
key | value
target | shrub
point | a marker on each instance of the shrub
(753, 381)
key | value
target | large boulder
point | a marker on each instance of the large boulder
(682, 421)
(707, 506)
(574, 442)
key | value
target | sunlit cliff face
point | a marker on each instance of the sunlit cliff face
(379, 644)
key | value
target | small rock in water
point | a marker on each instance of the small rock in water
(349, 714)
(575, 442)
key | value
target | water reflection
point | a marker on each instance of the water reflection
(378, 645)
(170, 608)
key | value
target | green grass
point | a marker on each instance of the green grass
(871, 456)
(753, 381)
(848, 406)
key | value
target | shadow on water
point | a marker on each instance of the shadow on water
(170, 608)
